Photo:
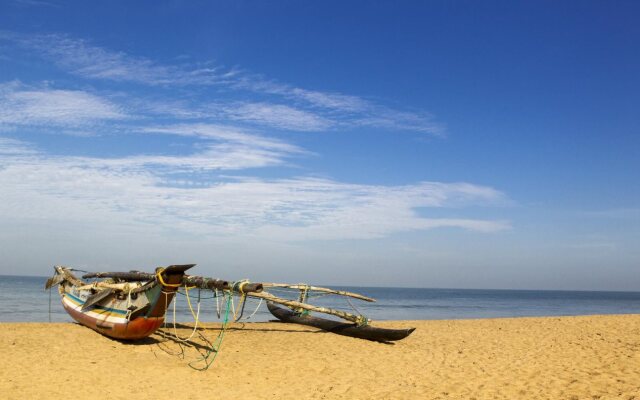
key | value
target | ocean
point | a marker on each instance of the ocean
(23, 299)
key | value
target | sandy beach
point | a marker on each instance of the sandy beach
(590, 357)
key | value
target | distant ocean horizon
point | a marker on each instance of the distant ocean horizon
(23, 299)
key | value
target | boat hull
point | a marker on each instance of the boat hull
(131, 312)
(111, 318)
(341, 328)
(138, 328)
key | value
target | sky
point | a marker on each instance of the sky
(451, 144)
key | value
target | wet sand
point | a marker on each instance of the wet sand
(591, 357)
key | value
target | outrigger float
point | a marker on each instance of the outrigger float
(132, 305)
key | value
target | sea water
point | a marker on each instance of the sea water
(23, 299)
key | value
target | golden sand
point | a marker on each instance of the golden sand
(592, 357)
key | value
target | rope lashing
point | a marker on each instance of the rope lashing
(239, 287)
(304, 295)
(159, 272)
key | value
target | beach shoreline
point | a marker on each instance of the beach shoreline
(577, 357)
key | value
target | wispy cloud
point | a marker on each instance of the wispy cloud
(10, 146)
(81, 58)
(222, 156)
(278, 116)
(135, 193)
(225, 133)
(327, 100)
(345, 110)
(286, 106)
(218, 147)
(156, 191)
(22, 105)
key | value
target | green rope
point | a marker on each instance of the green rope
(212, 352)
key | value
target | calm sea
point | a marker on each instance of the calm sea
(23, 299)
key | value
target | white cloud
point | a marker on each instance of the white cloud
(225, 133)
(156, 192)
(20, 105)
(335, 101)
(308, 110)
(83, 59)
(133, 193)
(382, 117)
(327, 100)
(15, 147)
(223, 156)
(345, 109)
(278, 116)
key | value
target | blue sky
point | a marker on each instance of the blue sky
(429, 144)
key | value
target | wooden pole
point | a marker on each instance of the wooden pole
(211, 284)
(296, 305)
(188, 280)
(302, 286)
(132, 276)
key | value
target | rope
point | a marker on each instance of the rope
(254, 311)
(162, 282)
(233, 307)
(167, 335)
(212, 352)
(195, 315)
(354, 307)
(203, 297)
(186, 290)
(304, 295)
(217, 303)
(240, 285)
(241, 304)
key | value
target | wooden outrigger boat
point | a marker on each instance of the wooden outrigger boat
(122, 310)
(367, 332)
(132, 305)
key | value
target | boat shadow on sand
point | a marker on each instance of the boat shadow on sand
(165, 340)
(203, 335)
(259, 327)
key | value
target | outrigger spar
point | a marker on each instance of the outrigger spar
(132, 305)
